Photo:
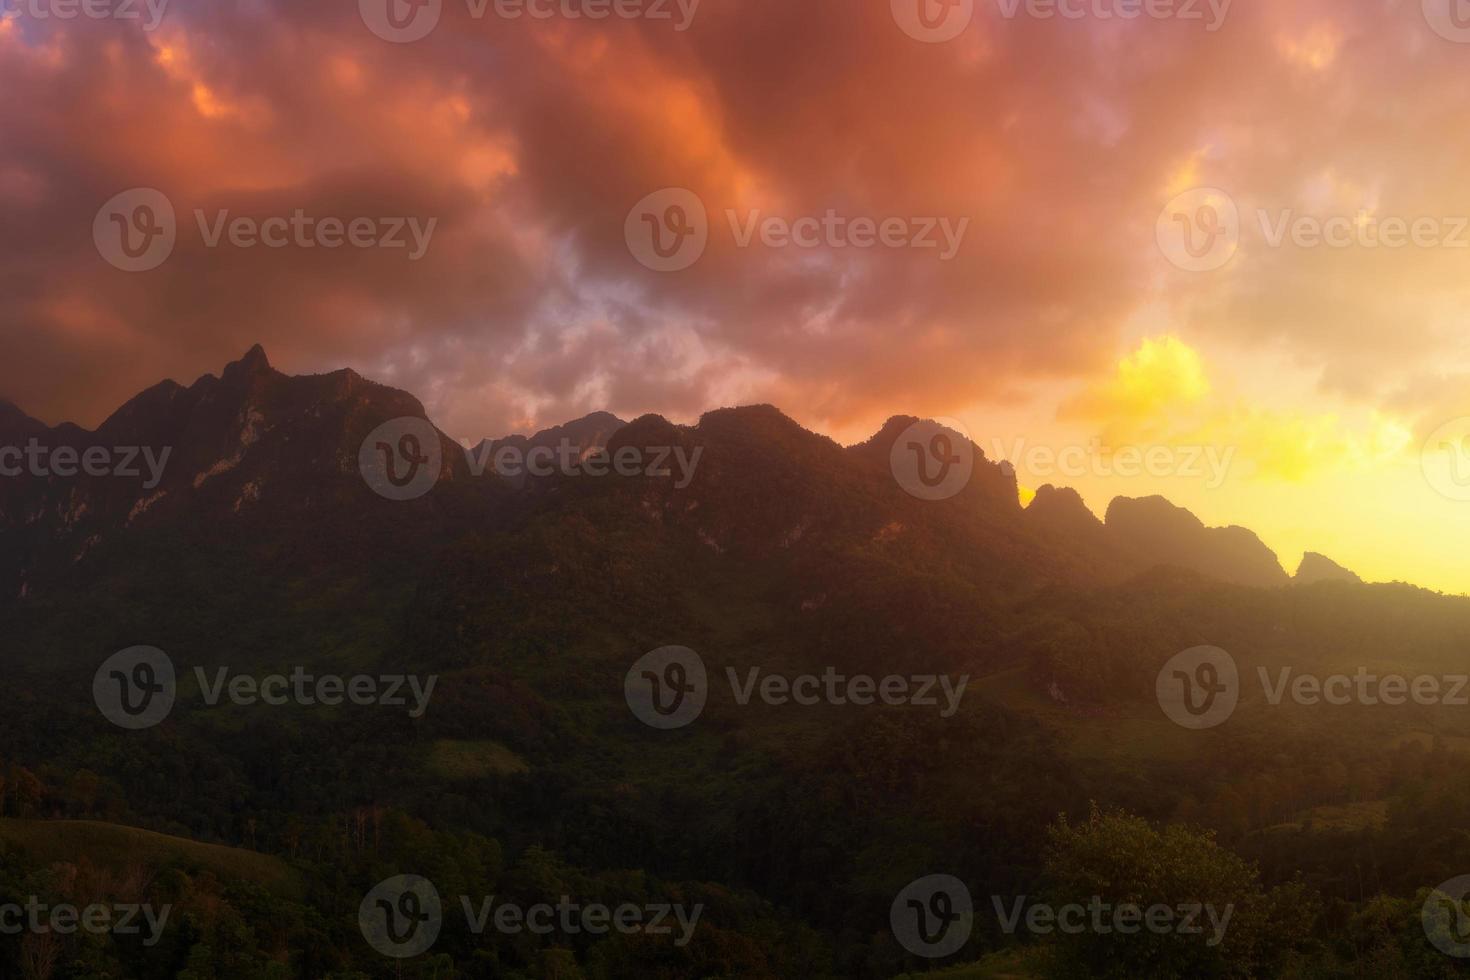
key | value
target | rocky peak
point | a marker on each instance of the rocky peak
(1061, 508)
(1320, 568)
(1160, 533)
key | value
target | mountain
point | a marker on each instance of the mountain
(265, 456)
(1319, 568)
(252, 447)
(1061, 510)
(508, 455)
(1162, 534)
(584, 434)
(765, 548)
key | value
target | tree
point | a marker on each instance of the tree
(1116, 861)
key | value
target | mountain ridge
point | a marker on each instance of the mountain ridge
(253, 433)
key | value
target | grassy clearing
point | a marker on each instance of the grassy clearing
(461, 761)
(114, 846)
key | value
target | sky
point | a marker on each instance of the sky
(1231, 235)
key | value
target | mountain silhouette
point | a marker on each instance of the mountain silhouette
(256, 448)
(1160, 533)
(1320, 568)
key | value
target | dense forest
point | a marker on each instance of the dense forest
(1315, 835)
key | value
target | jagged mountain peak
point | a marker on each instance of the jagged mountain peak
(255, 438)
(898, 424)
(1154, 509)
(1319, 568)
(761, 421)
(1061, 508)
(1162, 533)
(253, 363)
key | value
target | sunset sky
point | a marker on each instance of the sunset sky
(1068, 149)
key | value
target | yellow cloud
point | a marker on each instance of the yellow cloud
(1161, 394)
(1160, 376)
